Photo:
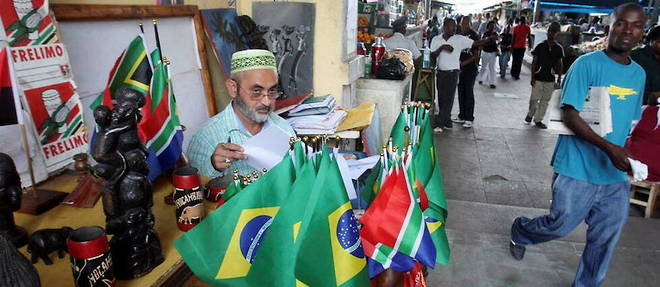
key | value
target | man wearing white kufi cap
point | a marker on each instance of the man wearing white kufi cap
(253, 87)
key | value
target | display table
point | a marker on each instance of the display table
(172, 272)
(388, 95)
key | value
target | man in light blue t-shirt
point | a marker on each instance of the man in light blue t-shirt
(590, 181)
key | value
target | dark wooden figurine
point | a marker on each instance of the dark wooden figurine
(45, 241)
(127, 196)
(15, 269)
(10, 201)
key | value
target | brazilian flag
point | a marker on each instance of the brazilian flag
(221, 249)
(274, 263)
(328, 246)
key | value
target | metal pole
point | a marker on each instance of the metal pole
(536, 8)
(654, 19)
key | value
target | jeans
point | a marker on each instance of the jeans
(466, 79)
(538, 102)
(504, 62)
(487, 73)
(518, 54)
(446, 85)
(603, 207)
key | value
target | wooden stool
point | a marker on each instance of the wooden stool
(424, 85)
(645, 187)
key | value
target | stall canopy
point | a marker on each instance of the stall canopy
(583, 6)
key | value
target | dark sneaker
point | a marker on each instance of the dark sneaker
(517, 250)
(448, 126)
(528, 119)
(541, 125)
(492, 86)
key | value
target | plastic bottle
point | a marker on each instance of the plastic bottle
(367, 66)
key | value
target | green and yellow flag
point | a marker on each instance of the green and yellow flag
(221, 249)
(328, 246)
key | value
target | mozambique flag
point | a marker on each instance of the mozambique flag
(9, 102)
(132, 69)
(273, 265)
(221, 249)
(160, 129)
(329, 250)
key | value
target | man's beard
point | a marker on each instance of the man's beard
(252, 113)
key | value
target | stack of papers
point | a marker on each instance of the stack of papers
(323, 124)
(314, 106)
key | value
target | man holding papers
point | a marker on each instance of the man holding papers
(253, 86)
(590, 182)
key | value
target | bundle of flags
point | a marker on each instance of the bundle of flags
(293, 226)
(159, 129)
(404, 221)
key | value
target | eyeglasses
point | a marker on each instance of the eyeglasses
(257, 93)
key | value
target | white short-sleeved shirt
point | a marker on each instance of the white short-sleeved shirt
(398, 41)
(446, 60)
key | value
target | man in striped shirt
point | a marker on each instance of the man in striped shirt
(253, 86)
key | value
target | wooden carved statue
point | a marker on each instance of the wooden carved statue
(45, 241)
(15, 269)
(10, 201)
(127, 196)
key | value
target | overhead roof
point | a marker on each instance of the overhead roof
(583, 6)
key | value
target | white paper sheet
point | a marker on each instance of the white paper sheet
(345, 174)
(358, 166)
(596, 112)
(267, 148)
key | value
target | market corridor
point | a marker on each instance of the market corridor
(499, 170)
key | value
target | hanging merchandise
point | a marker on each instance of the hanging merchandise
(26, 22)
(44, 78)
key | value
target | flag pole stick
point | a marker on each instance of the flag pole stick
(160, 50)
(141, 27)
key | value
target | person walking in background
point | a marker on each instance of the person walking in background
(548, 56)
(483, 26)
(506, 40)
(447, 49)
(590, 182)
(521, 33)
(489, 55)
(466, 77)
(432, 30)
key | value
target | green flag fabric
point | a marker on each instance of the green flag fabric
(273, 265)
(329, 251)
(132, 69)
(221, 249)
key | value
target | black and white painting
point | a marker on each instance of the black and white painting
(289, 31)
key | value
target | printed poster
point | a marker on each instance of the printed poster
(225, 33)
(44, 78)
(26, 22)
(289, 29)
